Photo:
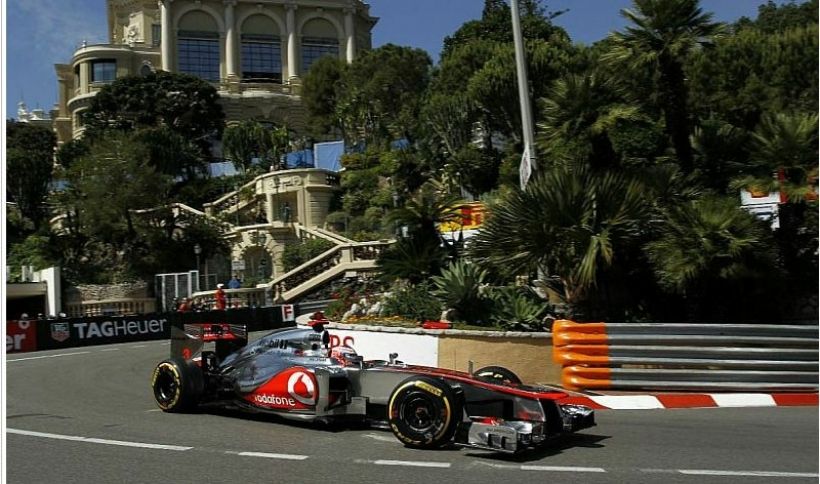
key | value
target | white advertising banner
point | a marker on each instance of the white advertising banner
(414, 349)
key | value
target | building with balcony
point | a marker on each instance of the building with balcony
(253, 51)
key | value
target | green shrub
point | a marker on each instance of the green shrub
(297, 254)
(413, 302)
(517, 309)
(459, 288)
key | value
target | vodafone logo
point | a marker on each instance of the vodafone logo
(274, 400)
(301, 388)
(292, 389)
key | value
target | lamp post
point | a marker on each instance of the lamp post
(197, 251)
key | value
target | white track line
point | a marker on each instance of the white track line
(561, 469)
(703, 472)
(272, 456)
(110, 349)
(381, 438)
(412, 463)
(90, 440)
(48, 356)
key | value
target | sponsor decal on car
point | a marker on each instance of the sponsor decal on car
(292, 389)
(274, 400)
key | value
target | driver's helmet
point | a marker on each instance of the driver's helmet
(344, 354)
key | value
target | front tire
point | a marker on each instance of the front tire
(177, 385)
(424, 412)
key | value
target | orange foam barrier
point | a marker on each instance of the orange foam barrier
(572, 338)
(563, 325)
(595, 355)
(579, 377)
(585, 345)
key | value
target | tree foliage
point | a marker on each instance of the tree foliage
(569, 222)
(29, 162)
(251, 140)
(661, 36)
(185, 104)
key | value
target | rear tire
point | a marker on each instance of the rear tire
(424, 412)
(177, 385)
(497, 374)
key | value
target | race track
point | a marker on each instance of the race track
(87, 415)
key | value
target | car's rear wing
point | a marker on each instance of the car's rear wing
(188, 339)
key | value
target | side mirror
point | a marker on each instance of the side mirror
(393, 357)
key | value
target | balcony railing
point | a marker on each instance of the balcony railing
(111, 307)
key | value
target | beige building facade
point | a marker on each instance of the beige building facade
(253, 51)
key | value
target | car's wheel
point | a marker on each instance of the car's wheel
(424, 412)
(177, 385)
(497, 374)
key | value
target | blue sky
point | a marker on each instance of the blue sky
(41, 33)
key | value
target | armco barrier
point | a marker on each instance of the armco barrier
(657, 356)
(50, 334)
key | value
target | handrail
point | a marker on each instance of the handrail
(333, 235)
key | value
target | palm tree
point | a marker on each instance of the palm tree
(707, 248)
(577, 113)
(785, 144)
(423, 252)
(569, 223)
(431, 205)
(664, 32)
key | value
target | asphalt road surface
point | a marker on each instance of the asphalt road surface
(86, 415)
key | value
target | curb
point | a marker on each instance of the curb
(693, 400)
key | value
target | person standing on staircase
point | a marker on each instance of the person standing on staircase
(220, 297)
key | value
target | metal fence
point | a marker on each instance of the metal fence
(657, 356)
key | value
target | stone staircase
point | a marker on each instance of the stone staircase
(346, 257)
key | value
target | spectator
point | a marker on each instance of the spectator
(234, 283)
(286, 212)
(220, 297)
(184, 306)
(260, 217)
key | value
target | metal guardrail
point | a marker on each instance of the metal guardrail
(730, 357)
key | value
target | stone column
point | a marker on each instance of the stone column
(85, 77)
(350, 34)
(165, 42)
(269, 208)
(293, 60)
(230, 39)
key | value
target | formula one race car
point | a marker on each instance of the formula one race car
(293, 373)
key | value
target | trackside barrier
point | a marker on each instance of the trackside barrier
(51, 334)
(657, 356)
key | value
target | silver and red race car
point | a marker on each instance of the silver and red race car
(293, 373)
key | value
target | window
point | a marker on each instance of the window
(103, 71)
(315, 47)
(156, 34)
(261, 58)
(199, 54)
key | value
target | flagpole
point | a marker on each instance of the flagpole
(528, 163)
